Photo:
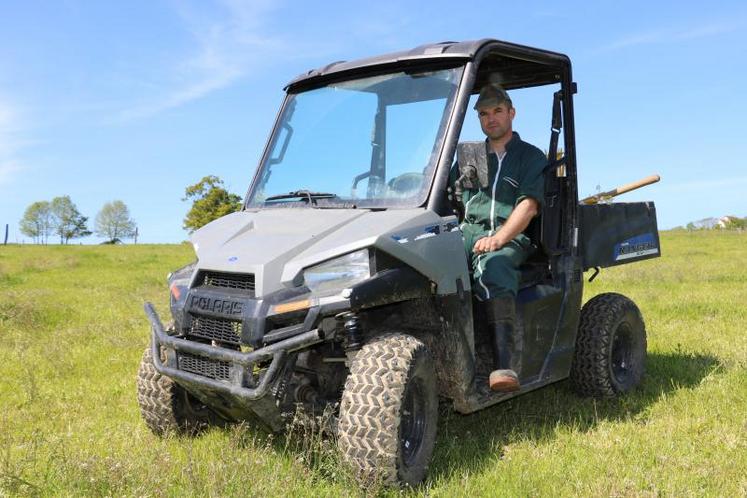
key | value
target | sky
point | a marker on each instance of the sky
(137, 100)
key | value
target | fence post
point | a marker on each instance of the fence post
(5, 242)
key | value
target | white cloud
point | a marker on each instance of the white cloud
(673, 35)
(229, 44)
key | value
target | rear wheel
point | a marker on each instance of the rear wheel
(167, 407)
(389, 411)
(610, 347)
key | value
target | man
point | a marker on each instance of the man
(494, 218)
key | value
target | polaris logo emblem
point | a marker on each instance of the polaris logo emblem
(215, 305)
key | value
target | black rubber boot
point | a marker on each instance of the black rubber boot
(501, 315)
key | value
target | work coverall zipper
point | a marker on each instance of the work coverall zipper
(495, 185)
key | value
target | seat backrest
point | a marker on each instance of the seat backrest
(542, 229)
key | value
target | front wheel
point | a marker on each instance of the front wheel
(166, 407)
(610, 351)
(389, 411)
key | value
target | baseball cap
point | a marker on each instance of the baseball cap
(492, 95)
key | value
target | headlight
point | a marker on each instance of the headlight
(179, 282)
(337, 274)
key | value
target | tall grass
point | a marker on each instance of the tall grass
(72, 332)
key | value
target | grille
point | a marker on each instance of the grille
(215, 329)
(214, 369)
(241, 281)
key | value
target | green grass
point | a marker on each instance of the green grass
(72, 331)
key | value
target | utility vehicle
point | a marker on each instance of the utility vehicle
(343, 284)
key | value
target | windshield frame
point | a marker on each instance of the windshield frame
(438, 145)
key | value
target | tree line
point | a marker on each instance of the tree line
(61, 217)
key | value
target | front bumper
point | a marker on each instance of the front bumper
(242, 383)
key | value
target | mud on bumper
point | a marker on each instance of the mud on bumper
(225, 371)
(249, 376)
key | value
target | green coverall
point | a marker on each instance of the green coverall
(512, 178)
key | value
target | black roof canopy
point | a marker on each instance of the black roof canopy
(518, 65)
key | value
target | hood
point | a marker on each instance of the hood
(277, 244)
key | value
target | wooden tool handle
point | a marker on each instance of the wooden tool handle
(637, 184)
(605, 196)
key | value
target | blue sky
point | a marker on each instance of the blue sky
(136, 100)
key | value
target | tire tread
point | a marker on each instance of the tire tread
(163, 402)
(370, 408)
(591, 370)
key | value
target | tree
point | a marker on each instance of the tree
(210, 201)
(114, 223)
(37, 221)
(67, 221)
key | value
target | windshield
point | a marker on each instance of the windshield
(370, 142)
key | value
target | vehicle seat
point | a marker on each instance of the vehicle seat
(536, 268)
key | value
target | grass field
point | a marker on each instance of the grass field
(72, 332)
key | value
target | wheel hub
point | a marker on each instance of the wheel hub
(413, 422)
(621, 354)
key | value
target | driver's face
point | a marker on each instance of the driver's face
(496, 121)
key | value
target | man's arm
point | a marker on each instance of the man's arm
(516, 223)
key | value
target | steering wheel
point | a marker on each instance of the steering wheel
(406, 182)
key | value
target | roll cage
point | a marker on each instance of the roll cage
(487, 60)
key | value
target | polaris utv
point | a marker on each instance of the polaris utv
(343, 283)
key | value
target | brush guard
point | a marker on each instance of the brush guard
(240, 379)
